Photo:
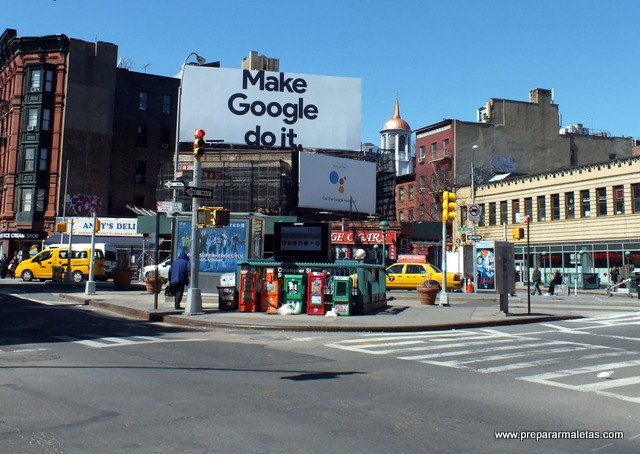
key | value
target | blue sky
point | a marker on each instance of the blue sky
(444, 59)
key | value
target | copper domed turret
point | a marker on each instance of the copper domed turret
(396, 122)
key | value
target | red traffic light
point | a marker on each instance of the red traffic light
(199, 133)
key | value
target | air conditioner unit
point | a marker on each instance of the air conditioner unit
(35, 88)
(164, 145)
(30, 128)
(421, 160)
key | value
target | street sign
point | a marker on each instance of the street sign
(475, 237)
(175, 184)
(168, 206)
(199, 192)
(474, 212)
(465, 229)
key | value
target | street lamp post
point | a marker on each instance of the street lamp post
(384, 226)
(176, 156)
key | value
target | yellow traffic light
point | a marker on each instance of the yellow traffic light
(61, 227)
(203, 217)
(198, 144)
(518, 233)
(448, 206)
(221, 217)
(98, 225)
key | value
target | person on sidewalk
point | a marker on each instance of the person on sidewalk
(614, 274)
(536, 278)
(636, 281)
(179, 273)
(556, 279)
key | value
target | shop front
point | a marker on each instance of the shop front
(375, 244)
(22, 245)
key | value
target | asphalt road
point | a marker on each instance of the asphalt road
(74, 380)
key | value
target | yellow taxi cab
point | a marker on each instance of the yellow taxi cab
(42, 265)
(408, 275)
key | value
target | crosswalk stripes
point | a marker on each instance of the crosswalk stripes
(110, 341)
(491, 351)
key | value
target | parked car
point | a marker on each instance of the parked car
(408, 275)
(52, 264)
(163, 268)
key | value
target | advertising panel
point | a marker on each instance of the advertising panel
(486, 265)
(220, 249)
(338, 184)
(270, 109)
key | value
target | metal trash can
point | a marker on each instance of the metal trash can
(227, 299)
(57, 273)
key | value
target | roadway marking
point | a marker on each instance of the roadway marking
(94, 341)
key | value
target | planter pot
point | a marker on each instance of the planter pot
(122, 279)
(428, 295)
(151, 286)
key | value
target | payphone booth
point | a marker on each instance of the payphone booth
(294, 292)
(270, 292)
(341, 289)
(315, 293)
(248, 299)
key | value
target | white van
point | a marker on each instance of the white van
(110, 254)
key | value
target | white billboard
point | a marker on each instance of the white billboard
(270, 109)
(338, 184)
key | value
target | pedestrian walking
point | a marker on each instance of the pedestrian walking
(4, 266)
(536, 278)
(179, 274)
(636, 281)
(614, 274)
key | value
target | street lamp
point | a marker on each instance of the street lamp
(176, 158)
(384, 226)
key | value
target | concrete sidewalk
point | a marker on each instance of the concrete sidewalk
(403, 313)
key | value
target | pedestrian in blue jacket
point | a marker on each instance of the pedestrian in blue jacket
(179, 273)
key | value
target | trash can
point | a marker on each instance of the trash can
(227, 299)
(57, 273)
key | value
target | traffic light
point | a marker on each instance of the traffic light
(221, 217)
(448, 206)
(212, 217)
(518, 233)
(198, 144)
(203, 217)
(61, 227)
(98, 225)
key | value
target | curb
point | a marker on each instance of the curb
(178, 320)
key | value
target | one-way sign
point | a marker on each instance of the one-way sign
(174, 184)
(199, 192)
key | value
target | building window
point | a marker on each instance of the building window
(602, 201)
(434, 149)
(569, 205)
(401, 194)
(32, 119)
(166, 104)
(140, 171)
(144, 101)
(43, 162)
(40, 200)
(35, 83)
(481, 221)
(555, 207)
(528, 207)
(26, 199)
(423, 212)
(48, 83)
(445, 146)
(401, 215)
(422, 154)
(504, 212)
(542, 208)
(635, 194)
(515, 205)
(422, 184)
(618, 198)
(29, 162)
(492, 213)
(46, 119)
(142, 135)
(411, 214)
(585, 203)
(433, 211)
(410, 192)
(165, 137)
